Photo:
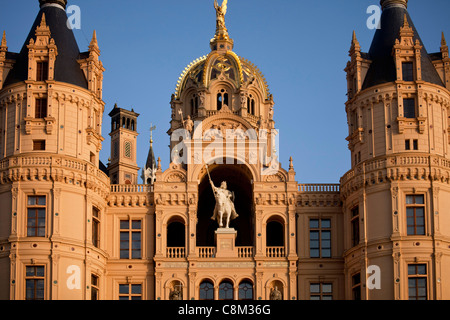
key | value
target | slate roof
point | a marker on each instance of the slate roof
(382, 69)
(67, 68)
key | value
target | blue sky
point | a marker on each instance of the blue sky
(300, 46)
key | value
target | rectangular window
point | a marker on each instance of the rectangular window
(36, 211)
(416, 144)
(41, 108)
(42, 71)
(355, 226)
(35, 283)
(407, 144)
(321, 291)
(130, 291)
(130, 239)
(95, 287)
(356, 286)
(95, 227)
(38, 145)
(417, 281)
(320, 238)
(415, 214)
(408, 71)
(409, 108)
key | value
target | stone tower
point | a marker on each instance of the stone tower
(52, 190)
(395, 194)
(123, 168)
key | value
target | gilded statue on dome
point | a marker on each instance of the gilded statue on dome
(221, 11)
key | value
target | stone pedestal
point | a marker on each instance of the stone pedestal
(225, 243)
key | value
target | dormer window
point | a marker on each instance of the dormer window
(408, 71)
(409, 108)
(42, 71)
(41, 108)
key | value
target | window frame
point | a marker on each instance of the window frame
(414, 205)
(356, 286)
(34, 279)
(408, 73)
(36, 206)
(407, 108)
(355, 227)
(416, 276)
(41, 108)
(130, 241)
(96, 220)
(42, 70)
(320, 231)
(95, 286)
(321, 294)
(130, 295)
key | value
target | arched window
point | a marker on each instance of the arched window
(222, 99)
(226, 290)
(251, 105)
(194, 105)
(176, 234)
(246, 290)
(206, 290)
(275, 234)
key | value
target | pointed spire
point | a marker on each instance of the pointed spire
(443, 41)
(43, 21)
(4, 46)
(94, 39)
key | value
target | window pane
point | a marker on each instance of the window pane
(314, 223)
(314, 288)
(124, 224)
(41, 201)
(327, 288)
(136, 236)
(409, 199)
(420, 199)
(421, 269)
(124, 236)
(326, 253)
(123, 288)
(32, 201)
(314, 235)
(409, 108)
(136, 289)
(314, 253)
(315, 298)
(326, 235)
(326, 223)
(136, 225)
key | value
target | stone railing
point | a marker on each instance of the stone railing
(245, 252)
(131, 188)
(318, 188)
(206, 252)
(275, 252)
(176, 252)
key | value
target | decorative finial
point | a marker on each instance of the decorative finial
(159, 164)
(152, 128)
(221, 40)
(291, 164)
